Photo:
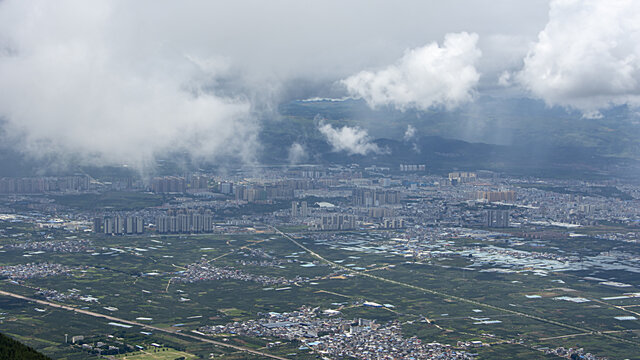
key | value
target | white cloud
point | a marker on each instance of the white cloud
(297, 153)
(587, 57)
(429, 76)
(592, 114)
(70, 85)
(353, 140)
(409, 133)
(505, 79)
(122, 81)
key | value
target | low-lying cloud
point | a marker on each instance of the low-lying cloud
(424, 77)
(71, 86)
(113, 82)
(587, 57)
(409, 133)
(352, 140)
(297, 154)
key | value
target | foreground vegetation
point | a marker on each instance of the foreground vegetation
(14, 350)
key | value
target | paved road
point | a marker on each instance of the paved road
(147, 326)
(454, 297)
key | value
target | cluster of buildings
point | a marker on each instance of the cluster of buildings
(119, 225)
(335, 221)
(64, 246)
(179, 184)
(374, 197)
(413, 167)
(204, 271)
(433, 212)
(385, 342)
(33, 270)
(380, 212)
(105, 347)
(71, 295)
(38, 185)
(185, 223)
(496, 196)
(169, 184)
(263, 193)
(396, 223)
(497, 218)
(255, 193)
(300, 324)
(328, 334)
(299, 209)
(572, 353)
(462, 177)
(369, 197)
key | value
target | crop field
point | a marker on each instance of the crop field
(156, 354)
(141, 279)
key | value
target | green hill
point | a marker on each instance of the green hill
(14, 350)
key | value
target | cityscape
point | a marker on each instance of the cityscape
(319, 180)
(308, 239)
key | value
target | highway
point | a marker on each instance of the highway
(147, 326)
(454, 297)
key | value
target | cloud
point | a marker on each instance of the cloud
(505, 79)
(124, 82)
(353, 140)
(409, 133)
(587, 57)
(424, 77)
(297, 153)
(70, 86)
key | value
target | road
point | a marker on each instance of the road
(453, 297)
(134, 323)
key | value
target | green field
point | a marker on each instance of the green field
(135, 279)
(156, 354)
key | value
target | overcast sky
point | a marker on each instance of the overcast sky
(123, 81)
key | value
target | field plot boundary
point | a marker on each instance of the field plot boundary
(129, 322)
(585, 331)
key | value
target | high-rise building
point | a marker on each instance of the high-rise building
(497, 218)
(97, 225)
(169, 184)
(226, 187)
(207, 223)
(134, 225)
(162, 224)
(299, 209)
(413, 167)
(108, 225)
(369, 197)
(379, 213)
(35, 185)
(495, 196)
(198, 182)
(393, 223)
(182, 221)
(336, 222)
(185, 223)
(118, 225)
(460, 177)
(586, 208)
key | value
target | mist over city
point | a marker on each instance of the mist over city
(319, 180)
